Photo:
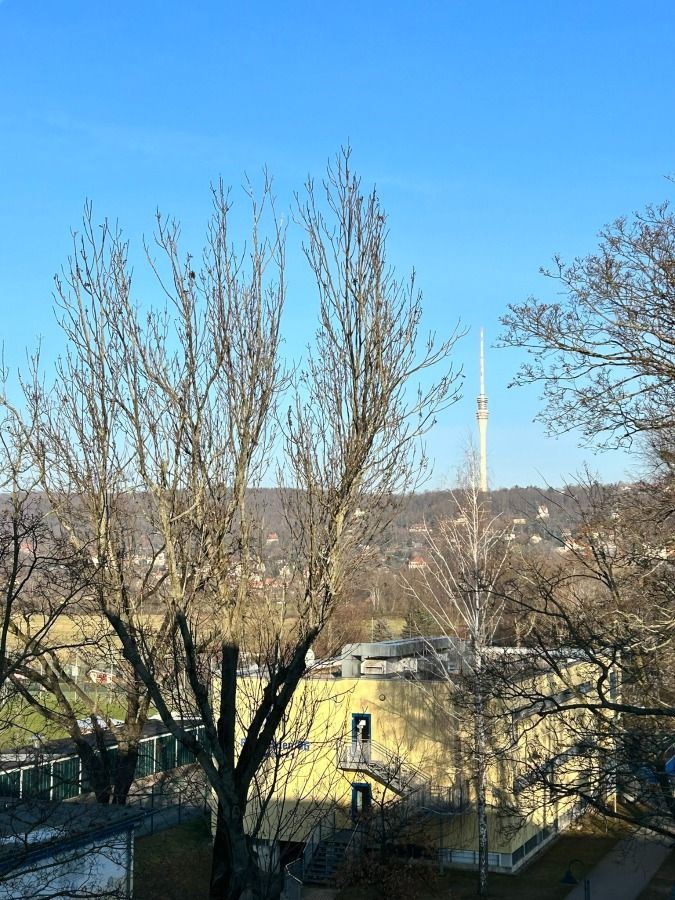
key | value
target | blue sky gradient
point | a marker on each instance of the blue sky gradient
(497, 133)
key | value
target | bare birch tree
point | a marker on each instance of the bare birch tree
(459, 588)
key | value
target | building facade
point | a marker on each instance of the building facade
(382, 735)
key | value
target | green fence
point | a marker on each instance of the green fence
(62, 779)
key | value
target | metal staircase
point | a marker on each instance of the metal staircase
(328, 845)
(415, 788)
(384, 765)
(327, 856)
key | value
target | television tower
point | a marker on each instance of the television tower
(482, 417)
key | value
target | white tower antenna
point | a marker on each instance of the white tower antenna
(482, 417)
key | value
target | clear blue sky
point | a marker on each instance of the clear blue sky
(497, 133)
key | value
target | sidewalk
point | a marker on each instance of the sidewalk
(626, 870)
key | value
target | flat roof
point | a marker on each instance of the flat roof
(33, 828)
(417, 646)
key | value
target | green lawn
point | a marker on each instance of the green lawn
(21, 721)
(174, 864)
(541, 879)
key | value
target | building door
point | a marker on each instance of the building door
(362, 796)
(361, 736)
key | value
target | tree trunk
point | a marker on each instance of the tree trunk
(233, 869)
(95, 771)
(480, 739)
(108, 785)
(123, 778)
(482, 836)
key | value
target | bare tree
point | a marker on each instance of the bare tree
(605, 352)
(40, 580)
(172, 413)
(459, 589)
(604, 355)
(73, 428)
(601, 622)
(285, 801)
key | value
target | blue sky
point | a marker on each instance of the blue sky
(497, 134)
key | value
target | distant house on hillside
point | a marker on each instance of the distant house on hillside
(272, 538)
(419, 528)
(417, 562)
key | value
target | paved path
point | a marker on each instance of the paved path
(161, 818)
(312, 892)
(626, 870)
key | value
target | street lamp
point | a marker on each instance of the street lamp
(568, 877)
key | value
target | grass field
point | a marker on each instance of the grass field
(175, 865)
(77, 637)
(541, 879)
(20, 722)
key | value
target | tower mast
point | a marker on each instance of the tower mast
(482, 417)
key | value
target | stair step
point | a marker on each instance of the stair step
(325, 861)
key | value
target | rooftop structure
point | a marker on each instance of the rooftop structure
(422, 658)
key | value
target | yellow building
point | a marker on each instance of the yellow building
(378, 737)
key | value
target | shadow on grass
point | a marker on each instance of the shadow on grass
(174, 864)
(540, 880)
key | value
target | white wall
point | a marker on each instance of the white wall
(98, 869)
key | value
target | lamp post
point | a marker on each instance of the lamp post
(568, 878)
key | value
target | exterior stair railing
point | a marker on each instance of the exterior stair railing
(414, 786)
(384, 764)
(293, 881)
(326, 845)
(355, 844)
(294, 872)
(324, 830)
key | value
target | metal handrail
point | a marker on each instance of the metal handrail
(371, 751)
(357, 829)
(366, 753)
(321, 832)
(418, 789)
(292, 883)
(452, 797)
